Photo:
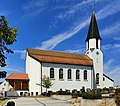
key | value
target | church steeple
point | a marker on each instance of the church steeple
(93, 31)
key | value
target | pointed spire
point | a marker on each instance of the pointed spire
(93, 31)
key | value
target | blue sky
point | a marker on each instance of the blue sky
(62, 25)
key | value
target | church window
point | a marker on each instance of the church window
(77, 74)
(51, 72)
(60, 73)
(85, 74)
(69, 73)
(97, 43)
(103, 79)
(97, 78)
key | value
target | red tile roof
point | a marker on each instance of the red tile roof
(60, 57)
(18, 76)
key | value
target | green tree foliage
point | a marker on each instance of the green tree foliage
(46, 83)
(7, 37)
(3, 74)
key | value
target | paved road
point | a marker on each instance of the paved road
(39, 102)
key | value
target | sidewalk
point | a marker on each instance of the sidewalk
(23, 101)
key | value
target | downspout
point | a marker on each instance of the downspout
(91, 77)
(41, 78)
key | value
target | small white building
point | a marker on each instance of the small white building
(16, 83)
(69, 71)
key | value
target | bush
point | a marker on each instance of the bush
(80, 95)
(117, 91)
(117, 100)
(92, 96)
(44, 94)
(62, 93)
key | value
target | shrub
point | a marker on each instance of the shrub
(92, 96)
(75, 95)
(79, 95)
(117, 91)
(117, 100)
(63, 93)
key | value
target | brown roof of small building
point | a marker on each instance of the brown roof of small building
(60, 57)
(18, 76)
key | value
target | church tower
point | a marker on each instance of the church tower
(94, 52)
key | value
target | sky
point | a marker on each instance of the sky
(62, 25)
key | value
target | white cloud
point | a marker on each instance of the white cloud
(4, 13)
(21, 52)
(111, 9)
(112, 29)
(76, 8)
(115, 75)
(117, 46)
(107, 47)
(116, 38)
(11, 69)
(34, 7)
(112, 71)
(78, 51)
(55, 40)
(108, 65)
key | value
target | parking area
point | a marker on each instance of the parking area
(24, 101)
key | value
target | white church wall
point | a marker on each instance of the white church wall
(98, 66)
(107, 82)
(33, 68)
(65, 83)
(97, 56)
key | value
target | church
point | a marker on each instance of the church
(66, 71)
(69, 71)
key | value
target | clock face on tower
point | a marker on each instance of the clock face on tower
(97, 53)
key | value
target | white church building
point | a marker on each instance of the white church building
(69, 71)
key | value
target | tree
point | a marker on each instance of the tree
(3, 74)
(46, 83)
(7, 37)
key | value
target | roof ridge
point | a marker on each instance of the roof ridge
(53, 51)
(60, 54)
(65, 57)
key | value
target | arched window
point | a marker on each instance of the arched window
(51, 72)
(103, 78)
(97, 78)
(77, 74)
(60, 73)
(69, 74)
(85, 74)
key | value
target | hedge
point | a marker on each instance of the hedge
(91, 96)
(62, 93)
